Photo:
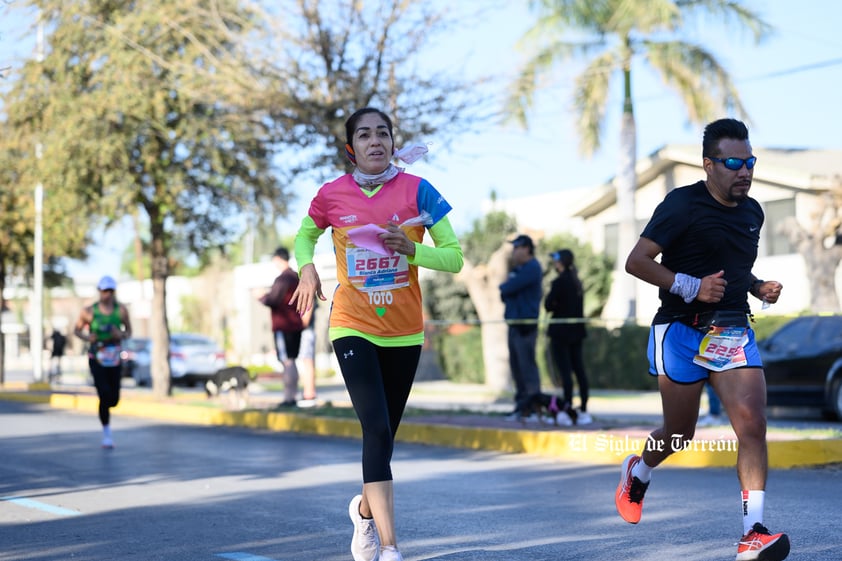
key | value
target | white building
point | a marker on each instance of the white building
(787, 182)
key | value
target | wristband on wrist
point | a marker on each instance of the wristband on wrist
(686, 286)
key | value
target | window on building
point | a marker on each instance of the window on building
(612, 238)
(776, 212)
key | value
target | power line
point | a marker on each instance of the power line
(795, 70)
(774, 74)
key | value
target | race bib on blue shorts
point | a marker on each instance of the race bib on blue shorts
(673, 348)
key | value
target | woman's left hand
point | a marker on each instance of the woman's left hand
(309, 287)
(397, 240)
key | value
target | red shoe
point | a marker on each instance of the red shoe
(761, 545)
(630, 491)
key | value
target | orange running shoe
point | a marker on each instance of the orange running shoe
(761, 545)
(630, 491)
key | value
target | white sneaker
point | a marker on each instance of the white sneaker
(390, 553)
(366, 543)
(584, 418)
(107, 442)
(512, 417)
(562, 419)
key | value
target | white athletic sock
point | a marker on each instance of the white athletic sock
(752, 503)
(642, 471)
(106, 431)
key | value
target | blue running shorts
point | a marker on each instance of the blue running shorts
(672, 347)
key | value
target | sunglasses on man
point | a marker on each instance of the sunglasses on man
(735, 164)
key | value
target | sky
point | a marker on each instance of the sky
(787, 108)
(790, 86)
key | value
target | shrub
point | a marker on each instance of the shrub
(460, 354)
(614, 358)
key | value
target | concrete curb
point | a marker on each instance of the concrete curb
(606, 447)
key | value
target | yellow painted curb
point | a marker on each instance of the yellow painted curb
(807, 452)
(26, 397)
(202, 415)
(592, 447)
(15, 386)
(610, 447)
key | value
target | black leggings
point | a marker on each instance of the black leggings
(107, 381)
(568, 358)
(378, 380)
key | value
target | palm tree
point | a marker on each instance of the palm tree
(614, 37)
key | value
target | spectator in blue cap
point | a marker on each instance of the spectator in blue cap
(565, 303)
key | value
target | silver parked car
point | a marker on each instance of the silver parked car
(193, 358)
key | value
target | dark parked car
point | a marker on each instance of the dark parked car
(803, 364)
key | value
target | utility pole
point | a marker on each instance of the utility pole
(36, 340)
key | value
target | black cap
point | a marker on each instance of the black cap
(523, 240)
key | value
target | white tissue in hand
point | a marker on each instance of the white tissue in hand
(411, 153)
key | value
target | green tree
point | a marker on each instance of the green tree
(487, 234)
(16, 226)
(195, 114)
(144, 108)
(450, 302)
(61, 231)
(446, 300)
(615, 38)
(336, 56)
(485, 267)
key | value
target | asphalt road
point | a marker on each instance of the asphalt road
(176, 492)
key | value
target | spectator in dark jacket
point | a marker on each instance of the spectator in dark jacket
(521, 293)
(565, 303)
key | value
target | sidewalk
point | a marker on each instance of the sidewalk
(466, 416)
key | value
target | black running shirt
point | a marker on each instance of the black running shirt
(699, 236)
